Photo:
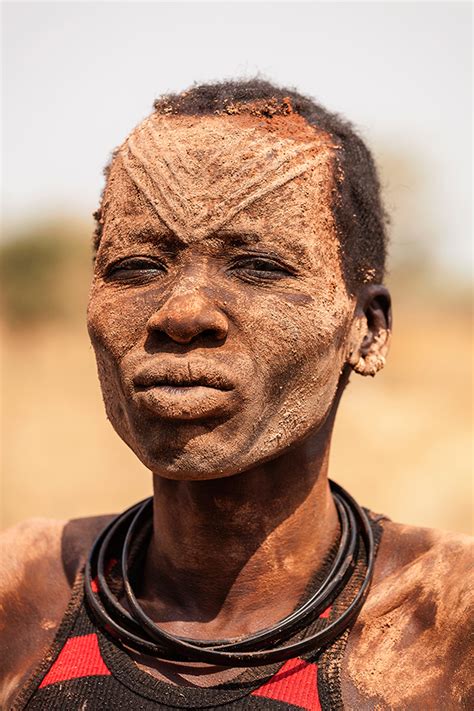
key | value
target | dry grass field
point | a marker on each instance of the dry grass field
(402, 443)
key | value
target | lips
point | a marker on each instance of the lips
(184, 389)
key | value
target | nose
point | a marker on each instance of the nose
(183, 317)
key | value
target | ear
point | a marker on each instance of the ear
(369, 336)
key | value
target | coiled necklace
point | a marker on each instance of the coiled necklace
(135, 629)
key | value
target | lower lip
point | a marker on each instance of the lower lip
(185, 403)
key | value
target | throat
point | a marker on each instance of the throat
(170, 631)
(231, 556)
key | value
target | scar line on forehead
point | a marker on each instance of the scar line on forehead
(165, 192)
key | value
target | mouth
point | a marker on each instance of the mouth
(182, 391)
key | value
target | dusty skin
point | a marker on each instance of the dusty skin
(401, 654)
(227, 296)
(224, 335)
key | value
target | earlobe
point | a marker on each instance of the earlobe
(370, 365)
(371, 330)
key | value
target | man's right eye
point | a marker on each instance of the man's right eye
(134, 268)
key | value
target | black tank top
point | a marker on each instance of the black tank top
(86, 670)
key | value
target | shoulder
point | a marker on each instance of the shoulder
(414, 547)
(44, 553)
(31, 552)
(410, 645)
(39, 559)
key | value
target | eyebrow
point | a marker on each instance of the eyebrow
(236, 239)
(142, 235)
(249, 238)
(171, 242)
(151, 234)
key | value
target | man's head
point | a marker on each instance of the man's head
(235, 277)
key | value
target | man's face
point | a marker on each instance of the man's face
(218, 309)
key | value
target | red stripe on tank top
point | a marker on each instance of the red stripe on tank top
(79, 657)
(295, 683)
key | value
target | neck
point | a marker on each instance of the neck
(231, 555)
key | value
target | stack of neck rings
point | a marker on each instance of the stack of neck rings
(132, 628)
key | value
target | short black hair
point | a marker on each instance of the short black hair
(357, 206)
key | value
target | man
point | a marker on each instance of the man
(240, 252)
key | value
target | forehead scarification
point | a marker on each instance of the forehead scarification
(198, 173)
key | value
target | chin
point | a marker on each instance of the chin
(190, 451)
(216, 448)
(186, 465)
(204, 457)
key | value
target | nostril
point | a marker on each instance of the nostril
(218, 334)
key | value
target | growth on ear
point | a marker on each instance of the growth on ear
(371, 330)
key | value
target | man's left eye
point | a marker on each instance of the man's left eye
(259, 266)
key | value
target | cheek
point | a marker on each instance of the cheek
(116, 320)
(111, 390)
(289, 337)
(305, 387)
(302, 351)
(298, 351)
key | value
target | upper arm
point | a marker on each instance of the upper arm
(34, 593)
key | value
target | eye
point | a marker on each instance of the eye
(261, 268)
(134, 268)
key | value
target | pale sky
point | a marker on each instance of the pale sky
(77, 76)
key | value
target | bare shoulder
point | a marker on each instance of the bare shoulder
(24, 544)
(410, 645)
(39, 559)
(33, 589)
(404, 545)
(30, 561)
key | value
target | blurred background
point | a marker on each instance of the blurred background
(78, 76)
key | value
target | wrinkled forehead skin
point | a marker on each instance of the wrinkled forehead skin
(199, 174)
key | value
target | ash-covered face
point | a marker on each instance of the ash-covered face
(218, 311)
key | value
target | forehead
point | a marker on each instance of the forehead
(195, 176)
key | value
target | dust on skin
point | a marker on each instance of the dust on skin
(184, 207)
(283, 341)
(32, 591)
(248, 286)
(408, 648)
(240, 277)
(254, 281)
(197, 179)
(39, 561)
